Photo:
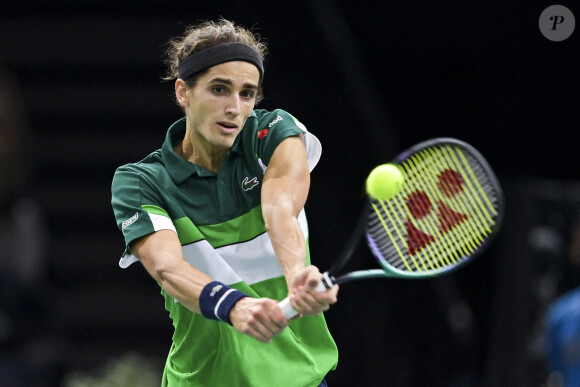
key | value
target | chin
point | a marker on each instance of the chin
(223, 144)
(226, 142)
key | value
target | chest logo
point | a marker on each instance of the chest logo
(248, 184)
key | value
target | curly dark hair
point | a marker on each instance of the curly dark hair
(204, 35)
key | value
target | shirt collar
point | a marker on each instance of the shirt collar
(180, 169)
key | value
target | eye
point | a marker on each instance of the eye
(248, 94)
(219, 89)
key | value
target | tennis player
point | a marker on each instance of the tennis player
(216, 216)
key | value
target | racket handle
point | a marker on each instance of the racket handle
(325, 283)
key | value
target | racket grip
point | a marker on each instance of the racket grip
(325, 283)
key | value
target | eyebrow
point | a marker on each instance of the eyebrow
(230, 83)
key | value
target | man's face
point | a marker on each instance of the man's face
(219, 104)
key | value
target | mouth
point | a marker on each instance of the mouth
(227, 126)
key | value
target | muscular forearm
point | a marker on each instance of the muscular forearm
(162, 256)
(290, 247)
(287, 238)
(184, 283)
(284, 192)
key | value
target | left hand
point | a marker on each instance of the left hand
(260, 318)
(303, 296)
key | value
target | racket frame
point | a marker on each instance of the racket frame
(388, 271)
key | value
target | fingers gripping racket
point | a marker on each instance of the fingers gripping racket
(447, 211)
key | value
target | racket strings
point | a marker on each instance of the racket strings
(420, 243)
(469, 230)
(449, 182)
(445, 212)
(416, 240)
(431, 253)
(444, 187)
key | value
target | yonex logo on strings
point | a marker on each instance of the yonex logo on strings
(449, 183)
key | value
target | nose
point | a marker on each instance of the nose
(234, 105)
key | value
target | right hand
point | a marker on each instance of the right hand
(260, 318)
(304, 297)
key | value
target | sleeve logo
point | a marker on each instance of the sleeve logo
(130, 221)
(264, 132)
(278, 119)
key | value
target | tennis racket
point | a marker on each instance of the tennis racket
(447, 212)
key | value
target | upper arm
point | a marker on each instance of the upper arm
(287, 178)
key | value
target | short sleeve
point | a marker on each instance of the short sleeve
(313, 146)
(278, 125)
(137, 205)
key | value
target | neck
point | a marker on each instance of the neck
(206, 157)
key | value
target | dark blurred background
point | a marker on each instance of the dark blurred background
(369, 79)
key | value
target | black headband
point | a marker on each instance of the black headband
(227, 52)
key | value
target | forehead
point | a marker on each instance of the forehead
(236, 72)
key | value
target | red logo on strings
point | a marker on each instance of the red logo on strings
(450, 183)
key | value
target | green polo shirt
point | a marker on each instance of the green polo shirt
(218, 219)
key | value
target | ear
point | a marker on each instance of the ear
(181, 92)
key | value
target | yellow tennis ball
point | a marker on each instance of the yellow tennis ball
(384, 182)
